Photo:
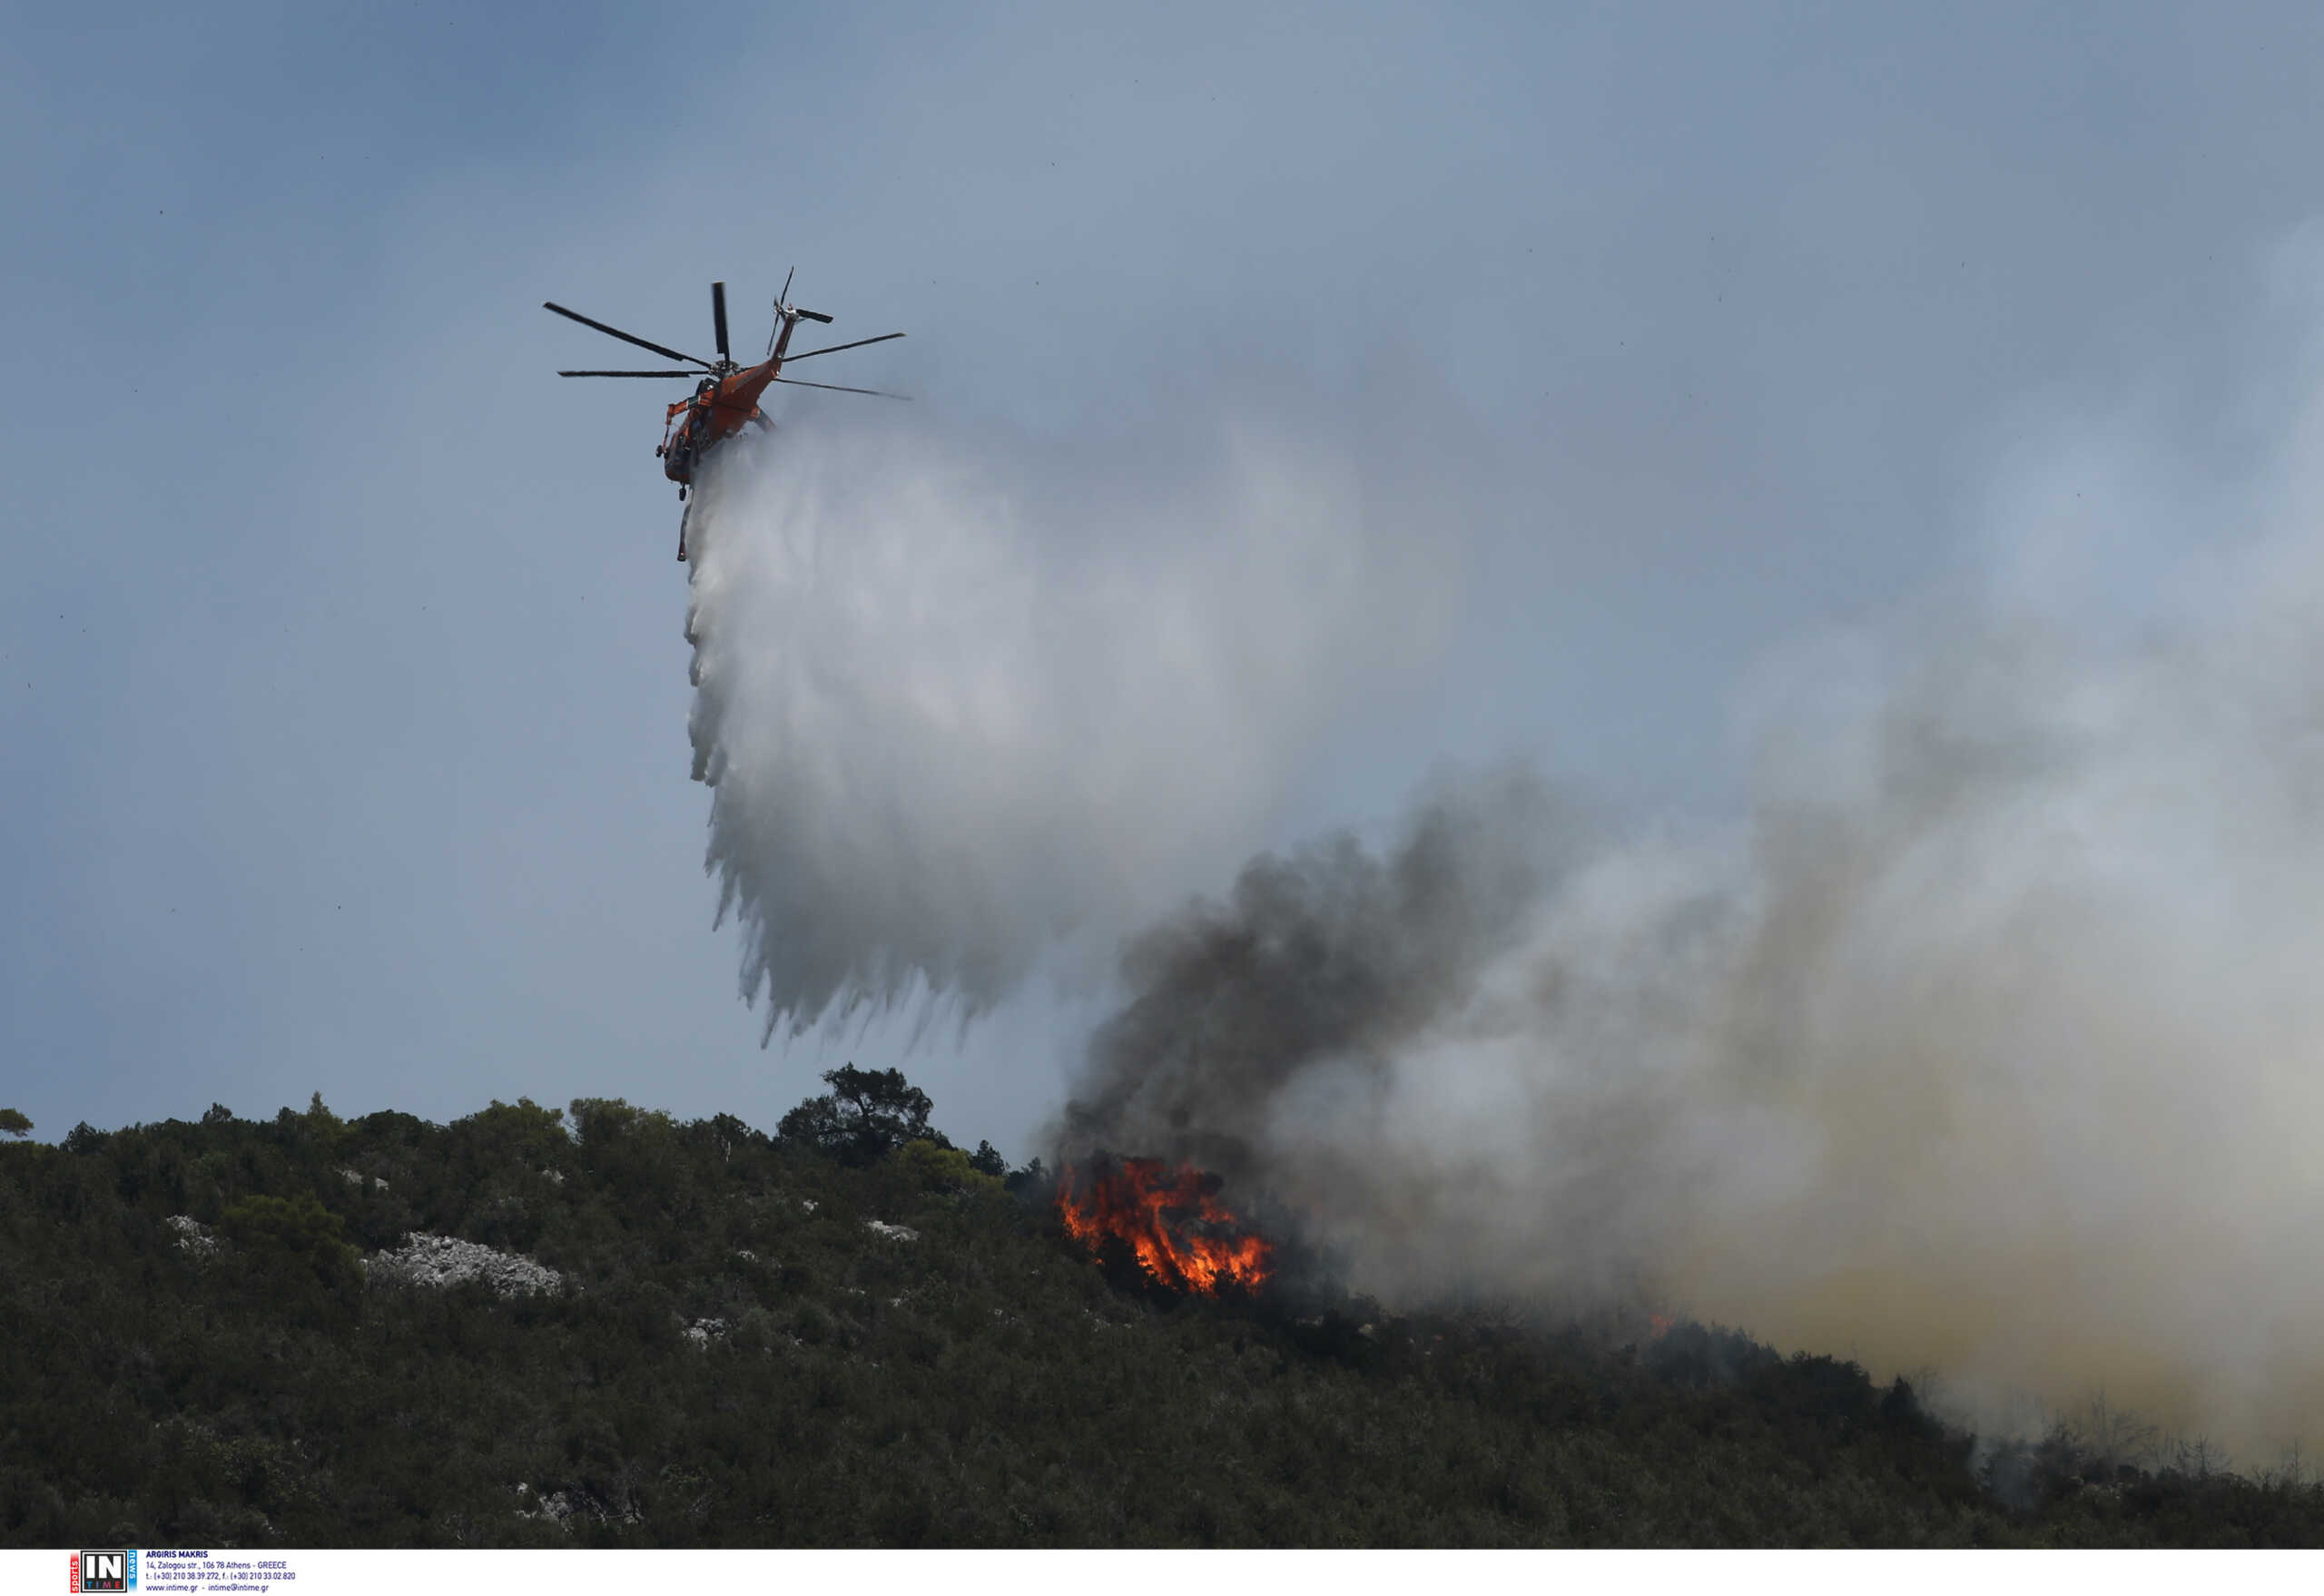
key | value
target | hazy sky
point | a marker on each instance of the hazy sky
(343, 740)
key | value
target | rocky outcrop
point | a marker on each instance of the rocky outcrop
(561, 1507)
(446, 1260)
(193, 1235)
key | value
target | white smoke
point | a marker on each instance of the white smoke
(961, 695)
(1991, 1039)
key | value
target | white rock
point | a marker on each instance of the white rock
(560, 1507)
(193, 1235)
(893, 1232)
(703, 1332)
(446, 1260)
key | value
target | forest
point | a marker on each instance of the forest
(603, 1327)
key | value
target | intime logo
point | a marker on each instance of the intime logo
(105, 1571)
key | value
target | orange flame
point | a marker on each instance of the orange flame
(1171, 1220)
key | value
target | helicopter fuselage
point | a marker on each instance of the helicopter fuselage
(720, 407)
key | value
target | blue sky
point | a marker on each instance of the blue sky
(343, 740)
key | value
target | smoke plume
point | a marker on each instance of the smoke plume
(958, 697)
(1991, 1039)
(1987, 1035)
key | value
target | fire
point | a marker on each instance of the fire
(1170, 1220)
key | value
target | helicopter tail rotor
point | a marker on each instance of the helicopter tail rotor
(781, 311)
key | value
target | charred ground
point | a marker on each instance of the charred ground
(737, 1354)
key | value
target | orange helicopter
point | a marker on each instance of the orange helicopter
(725, 394)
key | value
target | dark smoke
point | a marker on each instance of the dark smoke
(1329, 956)
(1346, 1037)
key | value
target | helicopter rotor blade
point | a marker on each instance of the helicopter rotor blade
(834, 348)
(617, 332)
(687, 374)
(810, 315)
(835, 388)
(718, 317)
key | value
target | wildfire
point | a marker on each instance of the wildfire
(1170, 1220)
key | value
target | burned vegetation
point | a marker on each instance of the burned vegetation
(611, 1327)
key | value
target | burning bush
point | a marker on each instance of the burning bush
(1170, 1220)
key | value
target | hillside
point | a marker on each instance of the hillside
(221, 1333)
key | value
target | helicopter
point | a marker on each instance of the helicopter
(726, 393)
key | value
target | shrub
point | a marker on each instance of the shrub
(298, 1231)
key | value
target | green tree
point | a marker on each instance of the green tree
(943, 1168)
(13, 1123)
(296, 1231)
(525, 1133)
(595, 1119)
(324, 1125)
(866, 1115)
